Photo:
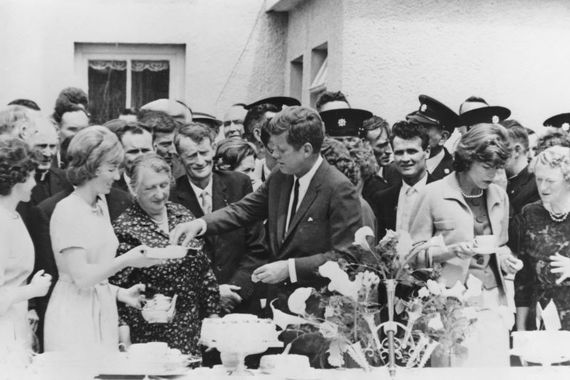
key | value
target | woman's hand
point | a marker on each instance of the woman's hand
(510, 264)
(137, 258)
(132, 296)
(463, 250)
(40, 283)
(560, 264)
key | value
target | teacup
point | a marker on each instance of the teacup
(146, 351)
(486, 242)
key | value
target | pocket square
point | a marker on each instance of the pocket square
(310, 219)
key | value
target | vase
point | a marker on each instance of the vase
(449, 355)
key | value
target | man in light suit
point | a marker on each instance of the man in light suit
(312, 210)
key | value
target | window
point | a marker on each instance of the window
(119, 76)
(319, 71)
(296, 85)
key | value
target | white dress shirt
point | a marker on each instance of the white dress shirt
(304, 183)
(406, 200)
(208, 193)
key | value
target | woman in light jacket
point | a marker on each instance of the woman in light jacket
(462, 206)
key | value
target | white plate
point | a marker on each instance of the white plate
(168, 252)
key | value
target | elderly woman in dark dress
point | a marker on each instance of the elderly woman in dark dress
(540, 236)
(148, 221)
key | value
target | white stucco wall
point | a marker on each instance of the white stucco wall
(511, 52)
(222, 40)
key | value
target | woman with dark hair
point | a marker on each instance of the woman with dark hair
(461, 207)
(17, 167)
(82, 310)
(539, 235)
(235, 154)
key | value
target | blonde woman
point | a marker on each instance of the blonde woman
(82, 311)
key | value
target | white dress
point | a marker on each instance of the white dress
(81, 318)
(16, 264)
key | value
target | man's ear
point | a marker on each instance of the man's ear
(444, 137)
(518, 149)
(307, 149)
(257, 134)
(427, 151)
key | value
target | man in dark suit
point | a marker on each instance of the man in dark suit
(312, 210)
(393, 206)
(439, 122)
(521, 186)
(234, 254)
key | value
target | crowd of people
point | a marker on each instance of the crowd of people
(263, 197)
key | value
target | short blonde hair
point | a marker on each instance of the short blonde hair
(88, 150)
(486, 143)
(555, 157)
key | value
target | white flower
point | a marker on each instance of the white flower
(329, 311)
(283, 320)
(336, 350)
(405, 244)
(435, 287)
(297, 300)
(456, 292)
(436, 323)
(328, 329)
(339, 280)
(423, 292)
(360, 237)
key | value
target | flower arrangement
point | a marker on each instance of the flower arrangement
(347, 316)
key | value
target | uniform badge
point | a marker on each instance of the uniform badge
(342, 122)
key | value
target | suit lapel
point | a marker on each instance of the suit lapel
(186, 196)
(283, 208)
(219, 197)
(308, 199)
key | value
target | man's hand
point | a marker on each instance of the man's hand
(188, 230)
(510, 264)
(271, 273)
(229, 299)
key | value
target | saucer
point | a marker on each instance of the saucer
(484, 250)
(168, 252)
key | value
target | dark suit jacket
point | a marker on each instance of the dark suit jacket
(522, 190)
(375, 183)
(444, 168)
(385, 207)
(235, 254)
(120, 184)
(321, 229)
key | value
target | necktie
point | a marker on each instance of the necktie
(295, 200)
(206, 202)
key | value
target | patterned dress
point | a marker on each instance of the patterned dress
(535, 237)
(191, 278)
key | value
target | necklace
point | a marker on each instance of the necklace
(471, 196)
(557, 217)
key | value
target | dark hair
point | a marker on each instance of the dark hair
(17, 161)
(129, 111)
(330, 96)
(303, 125)
(255, 118)
(486, 143)
(25, 103)
(121, 127)
(196, 132)
(516, 132)
(158, 121)
(407, 131)
(70, 99)
(231, 152)
(338, 155)
(552, 137)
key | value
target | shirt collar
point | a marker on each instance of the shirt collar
(305, 180)
(432, 162)
(418, 185)
(198, 190)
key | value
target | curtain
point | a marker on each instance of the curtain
(150, 81)
(107, 89)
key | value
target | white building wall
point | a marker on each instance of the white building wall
(513, 53)
(222, 40)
